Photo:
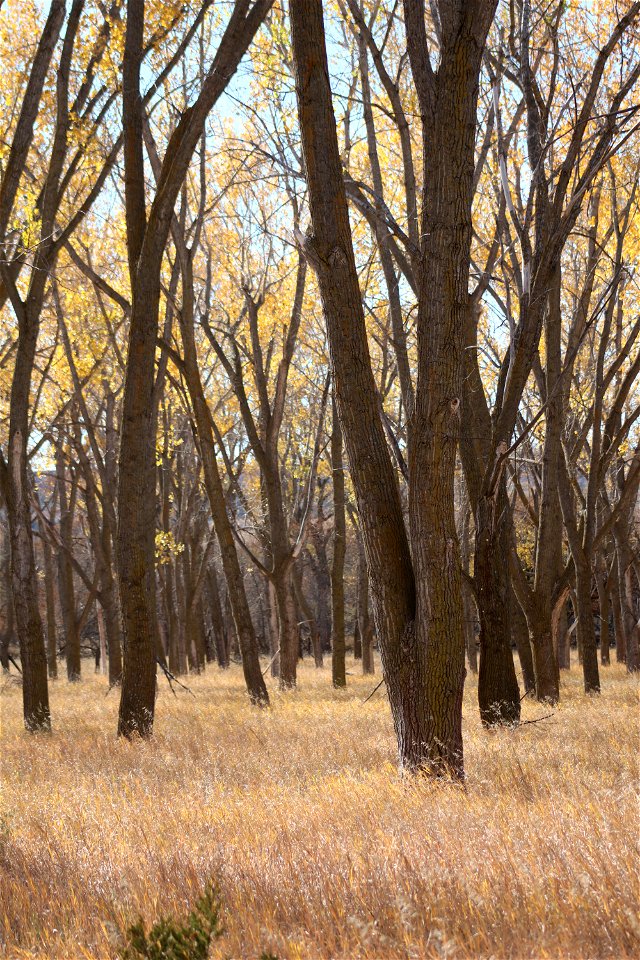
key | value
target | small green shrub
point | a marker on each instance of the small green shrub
(173, 939)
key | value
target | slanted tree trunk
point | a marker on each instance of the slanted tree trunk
(416, 595)
(236, 592)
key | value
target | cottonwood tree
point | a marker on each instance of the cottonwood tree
(147, 236)
(416, 594)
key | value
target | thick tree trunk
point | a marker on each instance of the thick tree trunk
(288, 627)
(33, 656)
(417, 605)
(146, 242)
(357, 641)
(338, 666)
(498, 693)
(545, 664)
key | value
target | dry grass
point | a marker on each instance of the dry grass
(318, 847)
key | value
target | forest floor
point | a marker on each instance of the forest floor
(317, 846)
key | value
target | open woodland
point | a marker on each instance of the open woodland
(319, 479)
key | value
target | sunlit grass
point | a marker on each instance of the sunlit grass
(318, 847)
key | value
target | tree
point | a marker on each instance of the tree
(416, 598)
(147, 237)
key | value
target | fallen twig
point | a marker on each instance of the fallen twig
(377, 687)
(170, 677)
(523, 723)
(271, 661)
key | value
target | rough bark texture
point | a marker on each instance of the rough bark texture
(417, 605)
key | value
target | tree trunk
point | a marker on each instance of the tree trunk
(357, 641)
(625, 586)
(545, 665)
(417, 604)
(307, 613)
(523, 646)
(498, 693)
(338, 666)
(50, 601)
(65, 573)
(586, 627)
(236, 592)
(6, 598)
(217, 619)
(146, 241)
(618, 618)
(604, 603)
(468, 600)
(288, 628)
(33, 656)
(563, 644)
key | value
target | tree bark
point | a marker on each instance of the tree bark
(417, 604)
(146, 242)
(338, 665)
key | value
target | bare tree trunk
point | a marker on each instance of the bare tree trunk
(498, 694)
(6, 598)
(586, 627)
(562, 640)
(604, 603)
(618, 618)
(338, 666)
(307, 612)
(521, 640)
(33, 656)
(417, 603)
(65, 571)
(146, 241)
(50, 601)
(217, 619)
(468, 602)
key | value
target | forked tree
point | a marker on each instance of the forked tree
(415, 575)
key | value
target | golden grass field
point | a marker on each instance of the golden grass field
(318, 847)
